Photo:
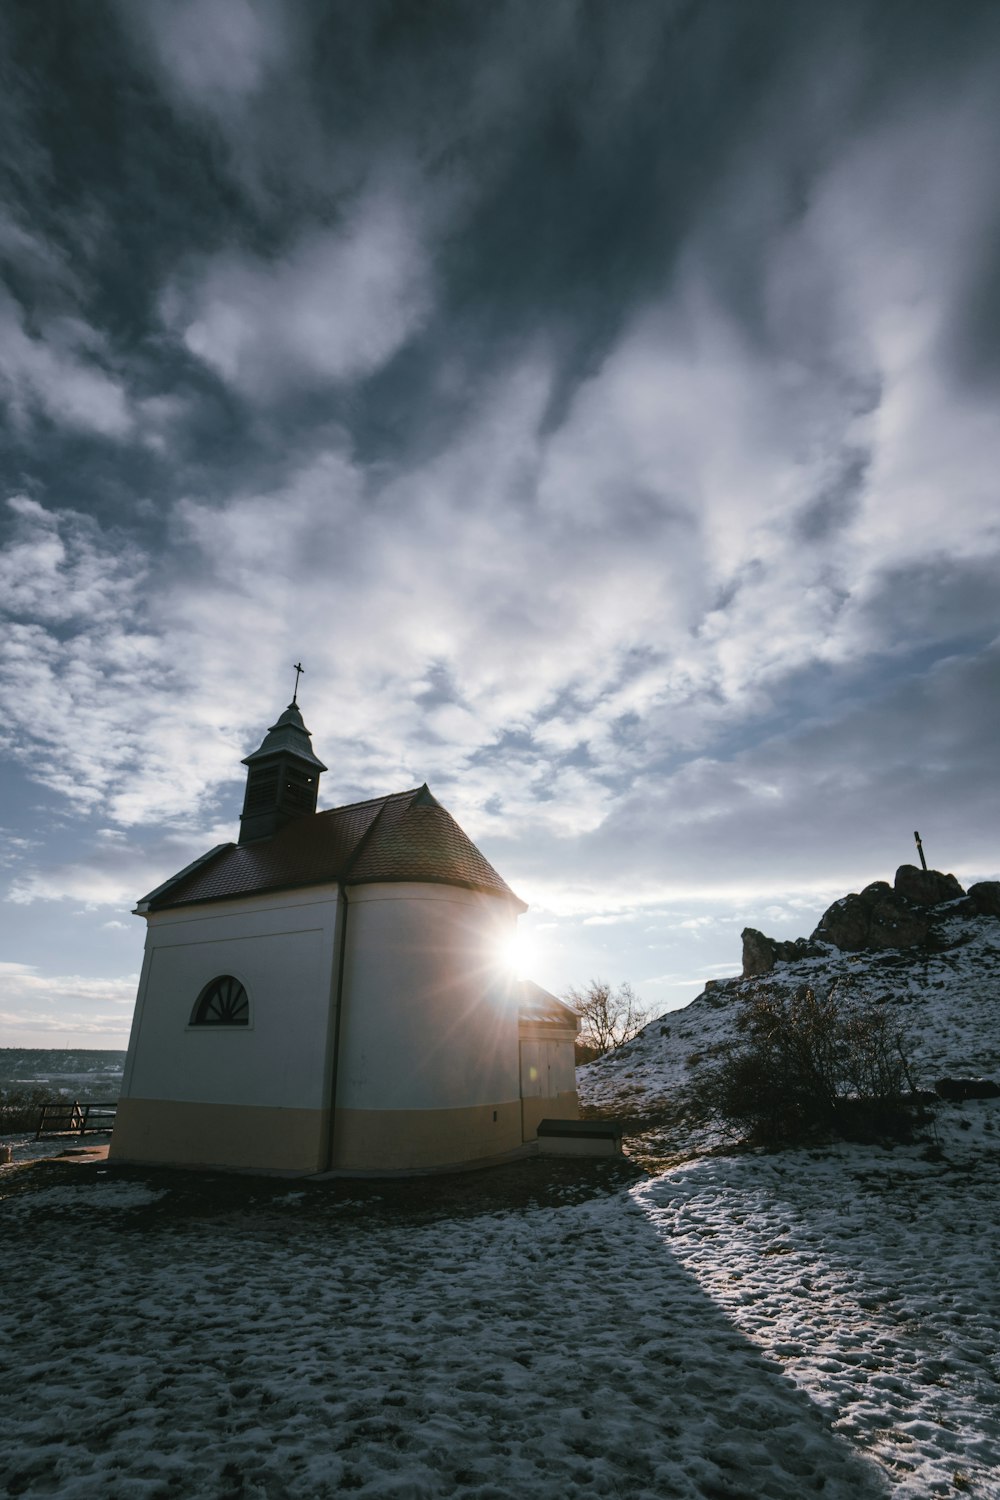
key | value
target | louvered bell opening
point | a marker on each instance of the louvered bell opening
(262, 789)
(299, 792)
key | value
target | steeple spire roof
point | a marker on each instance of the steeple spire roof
(289, 736)
(282, 778)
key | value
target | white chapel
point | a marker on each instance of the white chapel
(327, 994)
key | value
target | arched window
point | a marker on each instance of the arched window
(223, 1002)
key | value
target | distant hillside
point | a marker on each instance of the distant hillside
(923, 946)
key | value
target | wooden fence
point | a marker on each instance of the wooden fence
(75, 1118)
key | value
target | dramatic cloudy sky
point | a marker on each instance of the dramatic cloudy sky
(599, 396)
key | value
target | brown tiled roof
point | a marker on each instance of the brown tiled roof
(406, 836)
(536, 1004)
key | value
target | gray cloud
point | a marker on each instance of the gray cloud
(338, 305)
(828, 804)
(599, 399)
(59, 372)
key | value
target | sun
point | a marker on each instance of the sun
(517, 954)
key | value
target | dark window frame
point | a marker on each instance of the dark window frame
(223, 1002)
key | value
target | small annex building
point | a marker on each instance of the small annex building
(327, 993)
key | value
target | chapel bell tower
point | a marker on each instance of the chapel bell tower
(282, 778)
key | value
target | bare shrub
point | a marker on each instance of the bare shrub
(610, 1017)
(806, 1066)
(21, 1108)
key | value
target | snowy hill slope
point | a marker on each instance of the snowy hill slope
(946, 996)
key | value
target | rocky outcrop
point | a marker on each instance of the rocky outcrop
(958, 1089)
(925, 887)
(882, 916)
(876, 918)
(984, 898)
(760, 953)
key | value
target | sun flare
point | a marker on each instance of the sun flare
(517, 954)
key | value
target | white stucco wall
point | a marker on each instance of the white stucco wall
(548, 1068)
(282, 949)
(430, 1017)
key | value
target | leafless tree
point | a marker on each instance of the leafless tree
(610, 1017)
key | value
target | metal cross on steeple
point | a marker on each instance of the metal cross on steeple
(299, 669)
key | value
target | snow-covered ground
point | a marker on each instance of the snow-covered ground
(745, 1326)
(286, 1349)
(870, 1277)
